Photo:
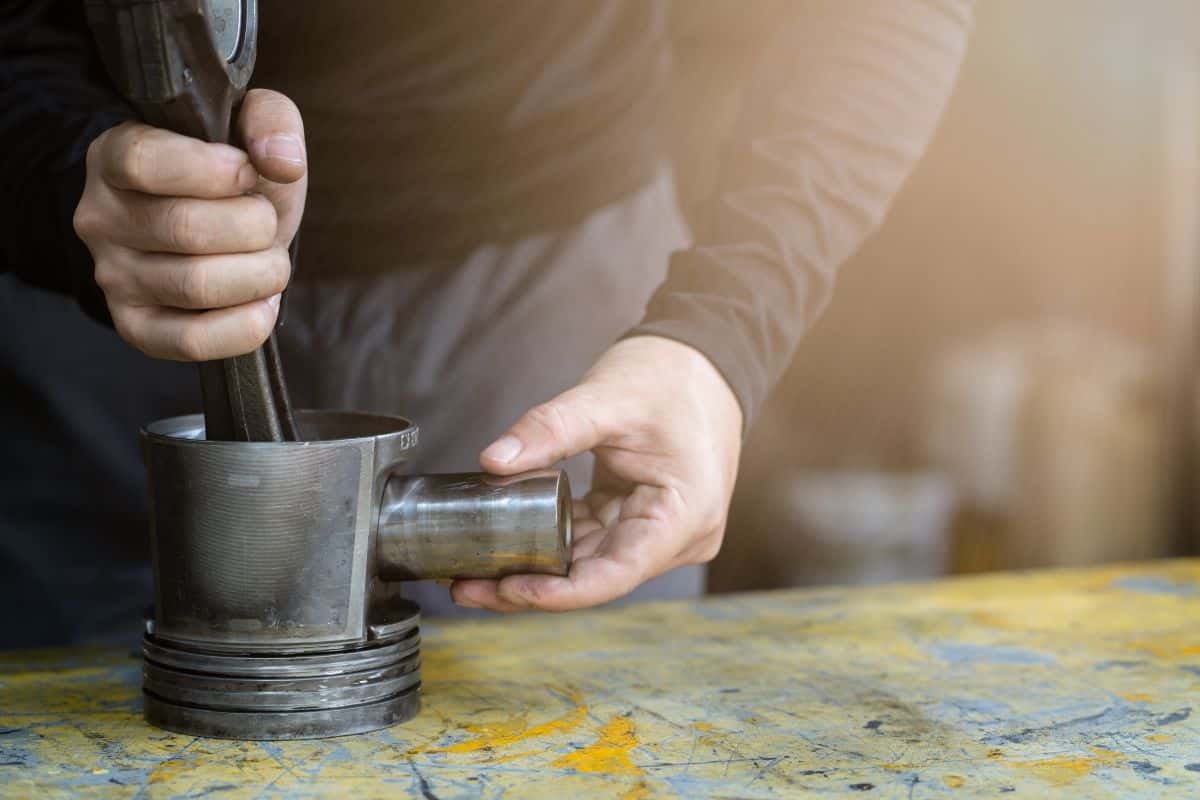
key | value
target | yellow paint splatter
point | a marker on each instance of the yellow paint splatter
(166, 771)
(953, 781)
(513, 757)
(1065, 770)
(991, 619)
(1173, 647)
(493, 735)
(477, 677)
(1108, 757)
(1059, 771)
(703, 726)
(639, 792)
(609, 754)
(501, 734)
(1138, 697)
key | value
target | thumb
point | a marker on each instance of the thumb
(272, 132)
(569, 424)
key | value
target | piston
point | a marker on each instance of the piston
(279, 538)
(277, 609)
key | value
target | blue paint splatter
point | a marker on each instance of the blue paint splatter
(1119, 716)
(1151, 584)
(1192, 767)
(1144, 767)
(1194, 670)
(963, 653)
(1177, 716)
(970, 711)
(1106, 665)
(980, 707)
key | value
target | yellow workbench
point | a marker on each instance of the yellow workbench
(1084, 684)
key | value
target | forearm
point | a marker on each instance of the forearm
(54, 100)
(837, 112)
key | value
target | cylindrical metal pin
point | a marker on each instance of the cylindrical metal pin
(474, 526)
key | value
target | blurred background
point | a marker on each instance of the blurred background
(1006, 376)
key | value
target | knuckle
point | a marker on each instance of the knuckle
(550, 418)
(108, 276)
(262, 224)
(136, 162)
(709, 548)
(93, 154)
(533, 592)
(640, 569)
(126, 325)
(86, 220)
(196, 287)
(714, 524)
(270, 105)
(92, 158)
(193, 342)
(182, 229)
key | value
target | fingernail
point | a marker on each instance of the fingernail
(285, 148)
(465, 603)
(246, 178)
(504, 449)
(273, 301)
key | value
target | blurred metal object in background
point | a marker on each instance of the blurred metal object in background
(1079, 154)
(862, 526)
(1055, 436)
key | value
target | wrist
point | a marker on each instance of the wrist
(683, 371)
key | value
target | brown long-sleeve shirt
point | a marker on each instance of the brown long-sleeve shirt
(434, 127)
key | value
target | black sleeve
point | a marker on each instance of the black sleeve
(54, 100)
(841, 103)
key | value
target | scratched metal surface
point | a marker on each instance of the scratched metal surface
(1085, 684)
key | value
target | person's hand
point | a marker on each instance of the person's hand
(190, 239)
(666, 431)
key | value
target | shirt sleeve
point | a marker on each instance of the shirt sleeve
(54, 100)
(841, 103)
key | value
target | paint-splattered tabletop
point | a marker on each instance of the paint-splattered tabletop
(1083, 683)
